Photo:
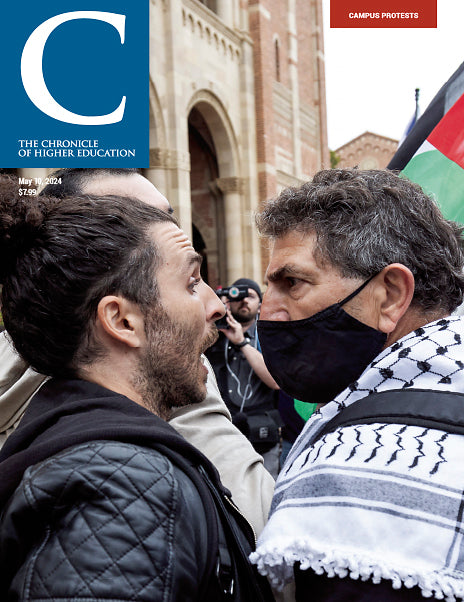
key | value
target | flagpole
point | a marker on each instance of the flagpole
(417, 103)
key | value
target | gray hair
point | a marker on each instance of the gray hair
(366, 220)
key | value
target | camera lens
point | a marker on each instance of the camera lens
(233, 292)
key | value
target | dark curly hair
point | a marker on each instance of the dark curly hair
(366, 220)
(59, 258)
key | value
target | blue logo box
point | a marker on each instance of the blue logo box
(75, 84)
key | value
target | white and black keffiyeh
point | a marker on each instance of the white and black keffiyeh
(378, 501)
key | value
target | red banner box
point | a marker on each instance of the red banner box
(383, 13)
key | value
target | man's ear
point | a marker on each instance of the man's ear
(396, 292)
(121, 320)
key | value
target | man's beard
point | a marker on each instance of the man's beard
(245, 315)
(170, 373)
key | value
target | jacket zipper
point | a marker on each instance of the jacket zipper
(238, 511)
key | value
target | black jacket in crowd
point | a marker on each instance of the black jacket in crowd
(102, 500)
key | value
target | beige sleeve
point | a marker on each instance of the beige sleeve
(18, 382)
(208, 426)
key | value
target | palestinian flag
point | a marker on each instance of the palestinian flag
(433, 153)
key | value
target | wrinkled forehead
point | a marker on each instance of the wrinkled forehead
(293, 243)
(174, 245)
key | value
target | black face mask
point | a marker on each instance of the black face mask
(316, 358)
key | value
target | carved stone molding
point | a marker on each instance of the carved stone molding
(203, 20)
(287, 180)
(167, 158)
(227, 185)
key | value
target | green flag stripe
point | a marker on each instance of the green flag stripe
(304, 409)
(442, 179)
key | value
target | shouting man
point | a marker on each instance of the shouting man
(207, 425)
(100, 497)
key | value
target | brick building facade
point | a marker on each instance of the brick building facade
(237, 112)
(367, 151)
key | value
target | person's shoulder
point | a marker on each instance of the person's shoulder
(102, 467)
(18, 382)
(121, 479)
(12, 366)
(104, 507)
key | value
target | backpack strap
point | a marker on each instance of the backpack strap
(229, 574)
(441, 410)
(254, 587)
(211, 573)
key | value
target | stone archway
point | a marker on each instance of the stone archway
(156, 173)
(214, 187)
(207, 217)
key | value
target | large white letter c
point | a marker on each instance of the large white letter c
(32, 71)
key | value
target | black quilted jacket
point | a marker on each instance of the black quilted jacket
(92, 510)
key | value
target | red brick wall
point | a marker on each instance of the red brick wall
(272, 129)
(306, 48)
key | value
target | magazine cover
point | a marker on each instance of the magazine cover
(223, 103)
(207, 109)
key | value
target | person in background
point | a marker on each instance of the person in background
(249, 391)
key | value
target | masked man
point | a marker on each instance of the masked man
(364, 273)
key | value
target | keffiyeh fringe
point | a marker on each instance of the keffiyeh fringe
(277, 565)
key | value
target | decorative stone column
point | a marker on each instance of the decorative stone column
(224, 9)
(178, 156)
(169, 171)
(156, 173)
(249, 166)
(231, 189)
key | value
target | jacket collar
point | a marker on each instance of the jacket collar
(65, 413)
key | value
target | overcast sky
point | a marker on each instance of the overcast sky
(371, 74)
